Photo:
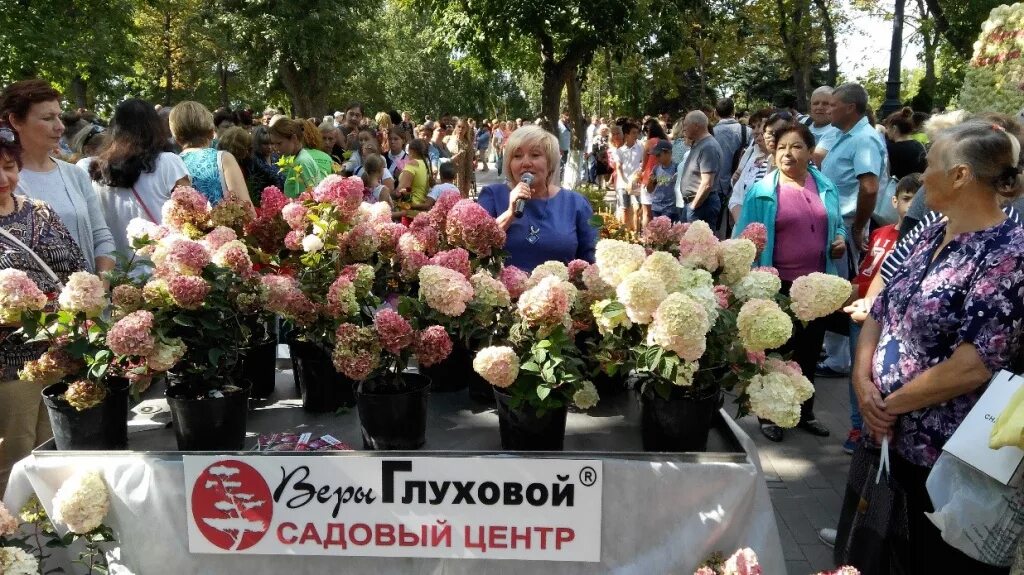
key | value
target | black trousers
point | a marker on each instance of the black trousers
(927, 552)
(805, 346)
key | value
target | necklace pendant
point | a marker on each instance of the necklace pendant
(534, 235)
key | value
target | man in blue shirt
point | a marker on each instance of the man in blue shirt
(820, 120)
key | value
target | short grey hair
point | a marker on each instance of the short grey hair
(696, 118)
(829, 90)
(853, 93)
(992, 153)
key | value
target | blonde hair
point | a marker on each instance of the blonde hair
(311, 136)
(533, 136)
(286, 128)
(191, 124)
(383, 120)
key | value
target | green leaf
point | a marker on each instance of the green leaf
(530, 366)
(215, 354)
(543, 392)
(183, 320)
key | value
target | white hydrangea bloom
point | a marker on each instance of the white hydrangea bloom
(82, 502)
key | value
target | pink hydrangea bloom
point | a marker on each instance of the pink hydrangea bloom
(657, 233)
(515, 280)
(722, 294)
(83, 293)
(438, 214)
(8, 524)
(182, 256)
(455, 259)
(756, 357)
(284, 297)
(389, 234)
(218, 237)
(132, 334)
(444, 290)
(272, 200)
(356, 351)
(577, 268)
(757, 233)
(127, 298)
(341, 298)
(699, 247)
(188, 292)
(411, 263)
(768, 269)
(294, 214)
(293, 240)
(742, 562)
(393, 331)
(345, 193)
(499, 365)
(470, 226)
(360, 243)
(186, 206)
(432, 346)
(234, 256)
(547, 303)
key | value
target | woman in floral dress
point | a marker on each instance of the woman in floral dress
(950, 318)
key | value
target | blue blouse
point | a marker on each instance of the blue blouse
(972, 293)
(205, 171)
(553, 229)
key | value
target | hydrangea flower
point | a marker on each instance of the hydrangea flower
(432, 346)
(607, 323)
(736, 257)
(284, 297)
(361, 276)
(312, 244)
(439, 211)
(186, 206)
(576, 268)
(234, 256)
(469, 226)
(641, 292)
(777, 393)
(658, 233)
(686, 373)
(818, 295)
(18, 293)
(757, 285)
(515, 280)
(393, 331)
(166, 354)
(17, 561)
(591, 278)
(699, 247)
(84, 394)
(341, 298)
(763, 325)
(389, 234)
(547, 304)
(8, 524)
(411, 263)
(345, 193)
(83, 293)
(757, 233)
(498, 365)
(356, 351)
(444, 290)
(742, 562)
(586, 396)
(217, 237)
(272, 202)
(132, 334)
(360, 243)
(176, 255)
(723, 293)
(188, 292)
(617, 259)
(549, 268)
(293, 240)
(82, 502)
(670, 273)
(680, 325)
(294, 214)
(488, 291)
(456, 259)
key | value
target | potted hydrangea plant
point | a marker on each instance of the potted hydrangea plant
(690, 325)
(198, 287)
(537, 372)
(90, 361)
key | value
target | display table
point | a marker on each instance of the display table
(662, 512)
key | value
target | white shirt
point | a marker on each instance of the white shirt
(120, 205)
(630, 161)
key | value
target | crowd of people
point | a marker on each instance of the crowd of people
(939, 273)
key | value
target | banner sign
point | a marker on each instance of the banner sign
(475, 507)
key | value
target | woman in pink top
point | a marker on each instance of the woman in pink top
(800, 208)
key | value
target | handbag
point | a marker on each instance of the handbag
(873, 521)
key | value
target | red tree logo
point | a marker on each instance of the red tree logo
(231, 505)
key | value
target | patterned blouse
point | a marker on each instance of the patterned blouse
(973, 293)
(38, 227)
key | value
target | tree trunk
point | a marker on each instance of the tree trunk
(830, 41)
(963, 49)
(794, 44)
(79, 91)
(574, 95)
(168, 63)
(928, 40)
(222, 78)
(308, 96)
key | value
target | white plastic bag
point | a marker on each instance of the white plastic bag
(975, 513)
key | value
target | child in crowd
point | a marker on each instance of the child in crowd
(446, 172)
(880, 245)
(662, 183)
(373, 190)
(629, 160)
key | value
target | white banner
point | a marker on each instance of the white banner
(472, 507)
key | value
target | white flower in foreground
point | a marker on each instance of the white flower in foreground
(82, 502)
(15, 561)
(586, 397)
(312, 243)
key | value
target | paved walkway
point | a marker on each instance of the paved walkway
(807, 478)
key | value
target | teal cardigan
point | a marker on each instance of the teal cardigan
(762, 203)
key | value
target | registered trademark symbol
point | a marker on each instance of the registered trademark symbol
(588, 476)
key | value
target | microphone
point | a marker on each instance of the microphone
(520, 205)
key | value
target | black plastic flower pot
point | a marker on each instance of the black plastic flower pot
(258, 369)
(523, 430)
(680, 423)
(207, 423)
(323, 389)
(102, 427)
(394, 419)
(452, 374)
